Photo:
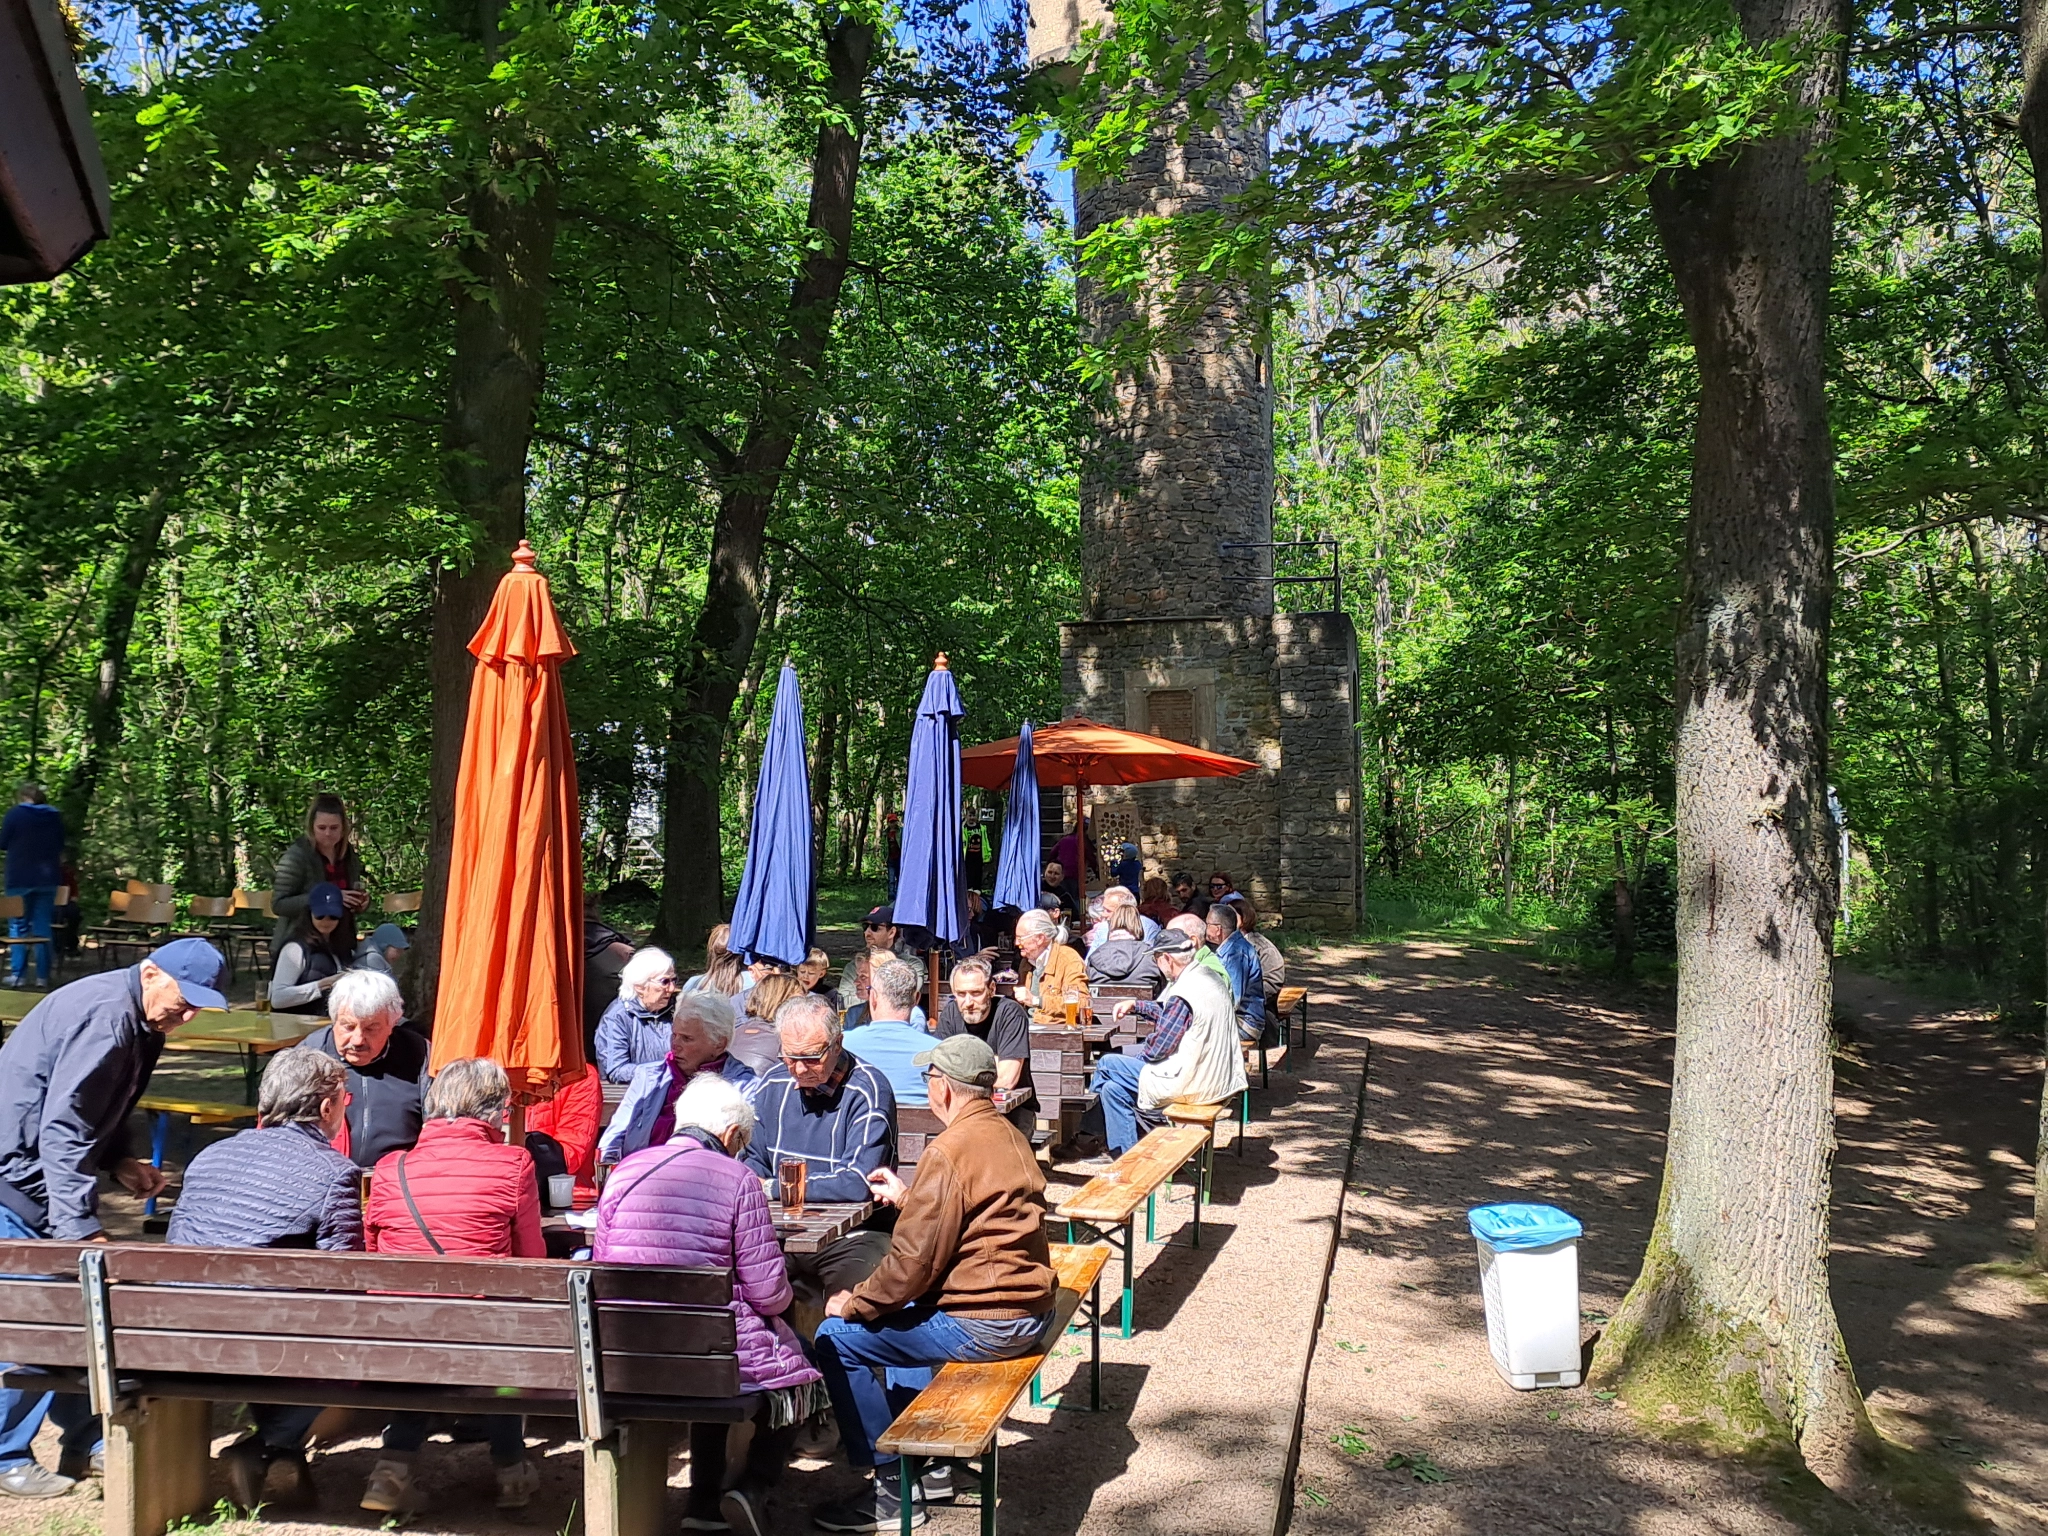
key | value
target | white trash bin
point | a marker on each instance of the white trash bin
(1529, 1275)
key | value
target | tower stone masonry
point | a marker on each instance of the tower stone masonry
(1179, 634)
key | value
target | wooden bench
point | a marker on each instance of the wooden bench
(1107, 1205)
(1204, 1117)
(959, 1414)
(1264, 1057)
(1293, 1004)
(156, 1334)
(199, 1111)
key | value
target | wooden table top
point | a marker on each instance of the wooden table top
(232, 1030)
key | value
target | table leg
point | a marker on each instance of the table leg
(988, 1490)
(252, 1073)
(157, 1141)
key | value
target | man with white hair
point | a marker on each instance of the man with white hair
(1056, 969)
(1192, 1055)
(699, 1031)
(634, 1029)
(1120, 896)
(387, 1065)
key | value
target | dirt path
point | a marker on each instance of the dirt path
(1494, 1080)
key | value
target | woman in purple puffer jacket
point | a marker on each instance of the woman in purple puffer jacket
(692, 1202)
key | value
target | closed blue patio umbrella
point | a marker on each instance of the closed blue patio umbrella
(1017, 868)
(929, 894)
(777, 908)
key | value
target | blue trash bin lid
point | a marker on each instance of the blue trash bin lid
(1522, 1226)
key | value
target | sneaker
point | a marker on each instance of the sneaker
(936, 1486)
(697, 1520)
(246, 1465)
(517, 1485)
(742, 1509)
(874, 1508)
(391, 1490)
(33, 1480)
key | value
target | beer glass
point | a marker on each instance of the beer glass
(791, 1177)
(1073, 1001)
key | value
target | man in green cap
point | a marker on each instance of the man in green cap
(968, 1277)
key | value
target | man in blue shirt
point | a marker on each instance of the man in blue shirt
(1247, 977)
(32, 833)
(889, 1041)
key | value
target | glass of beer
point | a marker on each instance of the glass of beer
(790, 1178)
(1073, 1001)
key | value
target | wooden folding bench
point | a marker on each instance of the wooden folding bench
(958, 1415)
(1107, 1205)
(1205, 1117)
(1293, 1004)
(157, 1334)
(1263, 1057)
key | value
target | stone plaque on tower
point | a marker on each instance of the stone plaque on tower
(1179, 634)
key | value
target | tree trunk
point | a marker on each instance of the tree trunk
(494, 382)
(1731, 1320)
(825, 759)
(103, 720)
(1508, 851)
(708, 669)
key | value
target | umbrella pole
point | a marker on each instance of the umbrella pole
(1081, 853)
(931, 965)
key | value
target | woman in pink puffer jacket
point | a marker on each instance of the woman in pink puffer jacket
(691, 1202)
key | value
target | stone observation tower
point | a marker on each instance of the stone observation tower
(1178, 635)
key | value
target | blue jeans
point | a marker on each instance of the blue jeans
(38, 912)
(906, 1345)
(407, 1432)
(1115, 1085)
(22, 1413)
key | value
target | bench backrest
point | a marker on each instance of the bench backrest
(374, 1318)
(915, 1125)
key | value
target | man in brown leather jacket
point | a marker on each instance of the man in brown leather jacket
(968, 1275)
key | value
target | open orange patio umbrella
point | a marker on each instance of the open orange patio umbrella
(512, 942)
(1081, 752)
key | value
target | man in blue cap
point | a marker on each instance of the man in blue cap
(70, 1076)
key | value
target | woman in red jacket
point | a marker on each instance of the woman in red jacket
(459, 1190)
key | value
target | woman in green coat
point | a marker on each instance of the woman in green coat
(326, 853)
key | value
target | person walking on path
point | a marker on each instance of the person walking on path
(326, 854)
(968, 1276)
(691, 1202)
(461, 1191)
(70, 1076)
(32, 833)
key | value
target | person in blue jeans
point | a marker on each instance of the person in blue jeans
(968, 1276)
(70, 1076)
(32, 833)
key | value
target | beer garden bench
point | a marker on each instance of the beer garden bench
(157, 1334)
(959, 1414)
(1107, 1204)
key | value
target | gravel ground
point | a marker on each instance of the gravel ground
(1493, 1078)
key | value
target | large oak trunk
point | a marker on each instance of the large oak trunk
(494, 382)
(1731, 1320)
(713, 659)
(2034, 134)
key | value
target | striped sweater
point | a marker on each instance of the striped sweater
(844, 1131)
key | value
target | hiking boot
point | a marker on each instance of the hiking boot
(874, 1508)
(391, 1490)
(247, 1466)
(517, 1485)
(33, 1480)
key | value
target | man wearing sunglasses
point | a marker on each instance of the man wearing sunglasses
(884, 940)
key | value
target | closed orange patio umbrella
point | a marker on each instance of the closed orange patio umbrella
(512, 941)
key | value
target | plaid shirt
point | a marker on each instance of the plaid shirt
(1170, 1020)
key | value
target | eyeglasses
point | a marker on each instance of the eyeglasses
(876, 927)
(805, 1061)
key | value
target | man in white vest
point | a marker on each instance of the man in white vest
(1190, 1057)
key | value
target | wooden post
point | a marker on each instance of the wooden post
(156, 1458)
(625, 1481)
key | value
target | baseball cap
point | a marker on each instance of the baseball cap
(389, 936)
(883, 916)
(964, 1058)
(195, 966)
(1172, 941)
(324, 900)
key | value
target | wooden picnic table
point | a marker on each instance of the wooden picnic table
(1061, 1059)
(822, 1222)
(240, 1032)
